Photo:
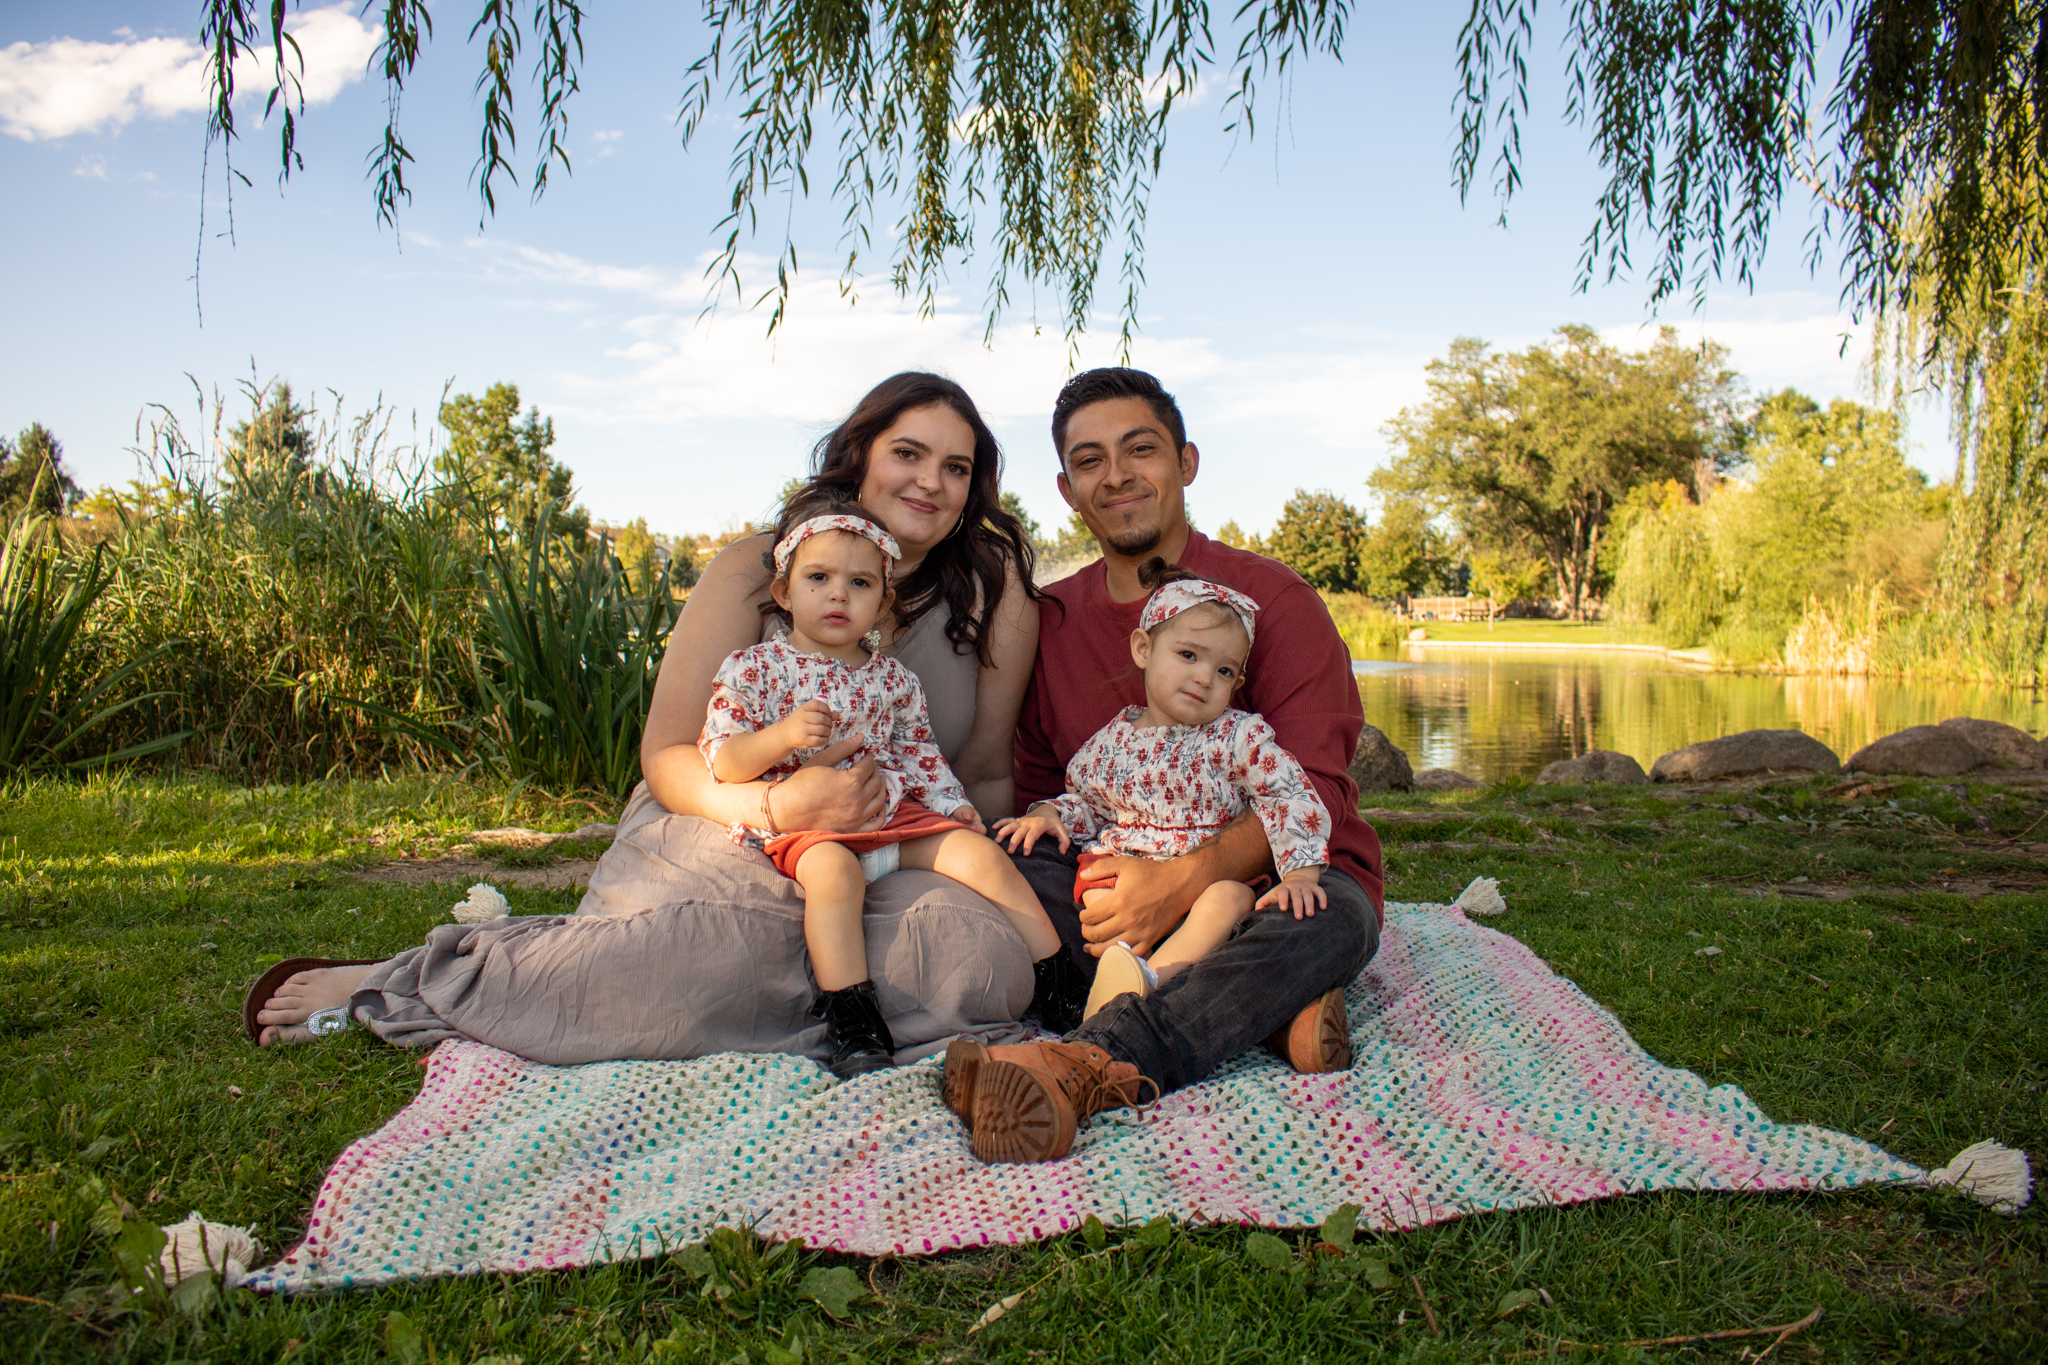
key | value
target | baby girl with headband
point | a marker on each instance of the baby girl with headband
(777, 703)
(1165, 778)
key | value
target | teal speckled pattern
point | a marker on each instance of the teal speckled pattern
(1482, 1081)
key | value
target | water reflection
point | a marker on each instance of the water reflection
(1498, 712)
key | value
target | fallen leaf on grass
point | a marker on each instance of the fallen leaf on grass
(1515, 1302)
(832, 1288)
(1263, 1248)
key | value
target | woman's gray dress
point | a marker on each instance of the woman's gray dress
(687, 944)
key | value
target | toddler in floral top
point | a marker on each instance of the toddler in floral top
(774, 705)
(1165, 778)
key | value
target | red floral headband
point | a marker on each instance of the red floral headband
(1171, 599)
(785, 549)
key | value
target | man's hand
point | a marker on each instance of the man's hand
(807, 727)
(1149, 899)
(1300, 891)
(1027, 829)
(970, 817)
(822, 795)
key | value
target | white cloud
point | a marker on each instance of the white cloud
(732, 409)
(68, 86)
(1785, 339)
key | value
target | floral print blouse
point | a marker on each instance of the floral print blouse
(1166, 790)
(881, 703)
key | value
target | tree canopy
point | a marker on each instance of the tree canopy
(1533, 451)
(1319, 536)
(1031, 134)
(1824, 508)
(502, 460)
(32, 474)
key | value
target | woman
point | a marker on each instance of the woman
(686, 943)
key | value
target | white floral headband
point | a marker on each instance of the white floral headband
(1171, 599)
(785, 549)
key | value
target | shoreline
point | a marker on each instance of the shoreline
(1698, 659)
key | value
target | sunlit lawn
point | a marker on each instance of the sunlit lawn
(133, 912)
(1505, 632)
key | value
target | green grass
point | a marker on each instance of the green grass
(133, 912)
(1591, 634)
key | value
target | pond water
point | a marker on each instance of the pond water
(1494, 712)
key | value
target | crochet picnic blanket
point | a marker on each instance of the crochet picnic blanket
(1482, 1081)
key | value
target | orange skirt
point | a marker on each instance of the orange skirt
(911, 821)
(1085, 880)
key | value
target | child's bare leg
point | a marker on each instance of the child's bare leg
(1210, 920)
(979, 863)
(834, 892)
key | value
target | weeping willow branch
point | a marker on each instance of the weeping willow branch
(1027, 134)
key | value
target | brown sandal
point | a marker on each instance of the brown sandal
(267, 984)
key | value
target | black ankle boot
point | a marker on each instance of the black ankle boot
(860, 1036)
(1058, 992)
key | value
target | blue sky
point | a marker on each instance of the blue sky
(1298, 283)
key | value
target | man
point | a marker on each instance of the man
(1124, 460)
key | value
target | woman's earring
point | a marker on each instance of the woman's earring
(956, 526)
(873, 640)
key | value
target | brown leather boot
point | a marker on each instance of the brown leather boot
(1029, 1100)
(1319, 1039)
(964, 1057)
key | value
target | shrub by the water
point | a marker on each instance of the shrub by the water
(1363, 623)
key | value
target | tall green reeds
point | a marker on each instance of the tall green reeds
(48, 712)
(313, 603)
(566, 671)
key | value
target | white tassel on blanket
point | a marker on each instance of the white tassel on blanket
(196, 1246)
(485, 903)
(1482, 897)
(1991, 1173)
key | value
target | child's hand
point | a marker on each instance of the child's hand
(1027, 830)
(807, 727)
(1299, 891)
(970, 817)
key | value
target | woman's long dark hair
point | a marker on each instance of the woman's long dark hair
(965, 568)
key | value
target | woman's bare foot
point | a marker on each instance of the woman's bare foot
(285, 1013)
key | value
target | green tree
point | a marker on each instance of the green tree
(32, 475)
(275, 444)
(1074, 544)
(501, 460)
(1827, 500)
(1669, 578)
(1320, 537)
(1989, 354)
(1050, 119)
(1536, 449)
(1042, 550)
(1404, 554)
(1231, 534)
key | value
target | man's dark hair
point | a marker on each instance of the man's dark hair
(1114, 381)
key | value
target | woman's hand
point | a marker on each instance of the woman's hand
(822, 795)
(1300, 891)
(1027, 830)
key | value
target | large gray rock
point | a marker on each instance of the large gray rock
(2002, 746)
(1379, 766)
(1921, 751)
(1444, 780)
(1601, 765)
(1745, 755)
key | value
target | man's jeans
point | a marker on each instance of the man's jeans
(1234, 998)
